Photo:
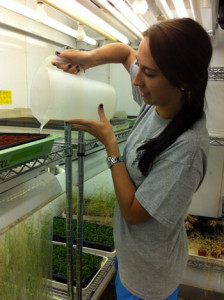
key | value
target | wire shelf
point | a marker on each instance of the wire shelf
(216, 141)
(11, 173)
(216, 74)
(59, 153)
(57, 156)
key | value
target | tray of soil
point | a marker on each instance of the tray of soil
(17, 148)
(205, 236)
(8, 140)
(94, 235)
(90, 265)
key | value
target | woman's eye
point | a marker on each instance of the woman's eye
(149, 75)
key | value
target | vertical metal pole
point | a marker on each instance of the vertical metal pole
(81, 152)
(69, 238)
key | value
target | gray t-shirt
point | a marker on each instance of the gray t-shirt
(152, 255)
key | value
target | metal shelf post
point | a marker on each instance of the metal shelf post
(80, 154)
(69, 238)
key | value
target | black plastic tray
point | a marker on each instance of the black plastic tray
(31, 139)
(63, 279)
(86, 243)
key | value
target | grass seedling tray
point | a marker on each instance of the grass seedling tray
(94, 235)
(90, 265)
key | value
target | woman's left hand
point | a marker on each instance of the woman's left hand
(102, 129)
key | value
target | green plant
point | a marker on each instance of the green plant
(101, 234)
(26, 256)
(24, 259)
(90, 263)
(101, 204)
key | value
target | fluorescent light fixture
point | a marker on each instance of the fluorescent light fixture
(129, 15)
(86, 17)
(5, 44)
(41, 15)
(151, 18)
(106, 5)
(68, 30)
(19, 38)
(18, 8)
(180, 8)
(195, 8)
(192, 9)
(31, 14)
(163, 6)
(140, 7)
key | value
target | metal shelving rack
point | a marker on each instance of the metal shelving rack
(57, 156)
(64, 151)
(216, 141)
(216, 74)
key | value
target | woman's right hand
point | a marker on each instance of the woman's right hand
(77, 60)
(109, 53)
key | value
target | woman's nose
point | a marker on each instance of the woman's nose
(137, 80)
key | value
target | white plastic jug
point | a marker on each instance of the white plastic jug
(57, 95)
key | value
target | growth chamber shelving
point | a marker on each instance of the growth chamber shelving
(26, 190)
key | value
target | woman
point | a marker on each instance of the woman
(164, 161)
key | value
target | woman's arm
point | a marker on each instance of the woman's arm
(131, 209)
(111, 53)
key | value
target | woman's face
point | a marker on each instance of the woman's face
(155, 89)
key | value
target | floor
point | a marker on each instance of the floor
(185, 293)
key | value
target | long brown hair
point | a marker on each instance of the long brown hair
(182, 50)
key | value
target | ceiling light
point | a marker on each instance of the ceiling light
(18, 8)
(163, 6)
(106, 5)
(31, 14)
(195, 8)
(140, 7)
(83, 15)
(80, 35)
(68, 30)
(129, 15)
(180, 8)
(41, 15)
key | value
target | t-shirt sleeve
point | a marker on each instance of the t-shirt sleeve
(135, 90)
(167, 191)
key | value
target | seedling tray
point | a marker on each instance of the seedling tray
(23, 148)
(8, 140)
(59, 235)
(131, 121)
(91, 265)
